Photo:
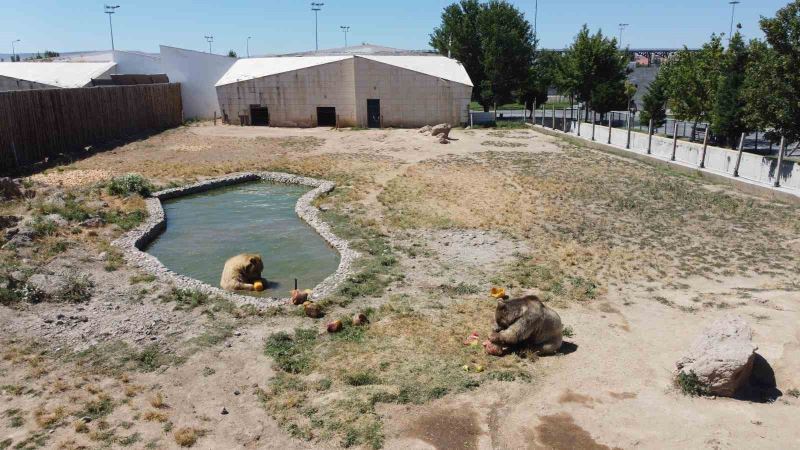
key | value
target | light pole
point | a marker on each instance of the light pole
(316, 7)
(248, 45)
(209, 39)
(14, 50)
(535, 19)
(111, 10)
(345, 29)
(733, 11)
(622, 27)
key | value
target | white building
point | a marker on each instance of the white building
(20, 76)
(367, 90)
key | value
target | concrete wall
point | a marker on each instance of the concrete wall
(718, 160)
(198, 73)
(293, 97)
(409, 99)
(136, 63)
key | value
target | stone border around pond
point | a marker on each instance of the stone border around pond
(134, 242)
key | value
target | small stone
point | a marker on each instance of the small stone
(228, 345)
(224, 412)
(236, 392)
(86, 419)
(94, 222)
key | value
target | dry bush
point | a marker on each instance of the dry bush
(157, 401)
(155, 416)
(80, 426)
(187, 436)
(49, 419)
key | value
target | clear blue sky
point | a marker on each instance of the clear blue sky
(280, 26)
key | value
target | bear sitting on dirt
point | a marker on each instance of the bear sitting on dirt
(241, 272)
(525, 322)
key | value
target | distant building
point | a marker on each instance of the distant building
(365, 86)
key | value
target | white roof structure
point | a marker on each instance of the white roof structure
(58, 74)
(252, 68)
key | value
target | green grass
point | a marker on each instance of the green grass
(130, 184)
(96, 409)
(292, 354)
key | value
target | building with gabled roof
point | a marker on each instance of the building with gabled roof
(365, 90)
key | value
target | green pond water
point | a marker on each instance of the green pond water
(206, 229)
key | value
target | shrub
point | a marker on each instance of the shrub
(690, 384)
(365, 378)
(186, 437)
(128, 184)
(77, 289)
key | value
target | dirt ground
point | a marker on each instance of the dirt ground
(636, 259)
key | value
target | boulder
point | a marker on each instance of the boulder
(722, 356)
(56, 219)
(94, 222)
(49, 285)
(442, 128)
(426, 129)
(9, 189)
(8, 221)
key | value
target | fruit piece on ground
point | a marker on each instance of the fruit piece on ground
(335, 326)
(492, 349)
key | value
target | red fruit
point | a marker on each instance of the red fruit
(335, 326)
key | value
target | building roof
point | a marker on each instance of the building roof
(59, 74)
(252, 68)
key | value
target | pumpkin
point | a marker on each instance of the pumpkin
(497, 292)
(335, 326)
(299, 297)
(258, 286)
(312, 310)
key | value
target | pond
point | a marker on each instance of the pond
(204, 230)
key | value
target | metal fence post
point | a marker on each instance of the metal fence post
(780, 162)
(705, 147)
(628, 142)
(593, 123)
(674, 141)
(554, 116)
(533, 112)
(564, 120)
(650, 136)
(610, 121)
(580, 111)
(739, 157)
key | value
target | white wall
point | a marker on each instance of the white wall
(719, 160)
(198, 73)
(136, 63)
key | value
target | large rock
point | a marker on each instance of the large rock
(9, 189)
(442, 128)
(722, 357)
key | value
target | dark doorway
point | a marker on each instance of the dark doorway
(259, 116)
(373, 113)
(326, 117)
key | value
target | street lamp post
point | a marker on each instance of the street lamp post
(111, 10)
(14, 50)
(209, 39)
(622, 27)
(316, 7)
(248, 45)
(345, 29)
(733, 11)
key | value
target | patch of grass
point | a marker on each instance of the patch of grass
(77, 289)
(361, 378)
(95, 409)
(115, 358)
(553, 281)
(503, 144)
(6, 443)
(292, 353)
(793, 392)
(43, 227)
(130, 184)
(568, 332)
(155, 416)
(459, 290)
(188, 300)
(114, 257)
(142, 278)
(125, 220)
(72, 210)
(187, 436)
(689, 384)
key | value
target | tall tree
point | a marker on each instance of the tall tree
(541, 76)
(508, 50)
(654, 103)
(692, 78)
(772, 82)
(728, 114)
(594, 71)
(459, 37)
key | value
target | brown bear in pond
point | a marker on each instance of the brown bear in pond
(241, 272)
(526, 321)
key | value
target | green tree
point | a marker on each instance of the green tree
(654, 103)
(772, 80)
(493, 41)
(692, 79)
(728, 114)
(594, 70)
(508, 50)
(541, 76)
(232, 54)
(459, 37)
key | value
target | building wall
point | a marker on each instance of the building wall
(136, 63)
(293, 97)
(409, 99)
(15, 84)
(198, 73)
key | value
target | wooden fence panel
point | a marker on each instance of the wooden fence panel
(40, 124)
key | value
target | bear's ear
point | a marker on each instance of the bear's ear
(254, 260)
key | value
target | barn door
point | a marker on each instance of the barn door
(373, 113)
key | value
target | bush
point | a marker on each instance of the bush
(690, 384)
(128, 184)
(77, 289)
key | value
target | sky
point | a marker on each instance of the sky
(282, 26)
